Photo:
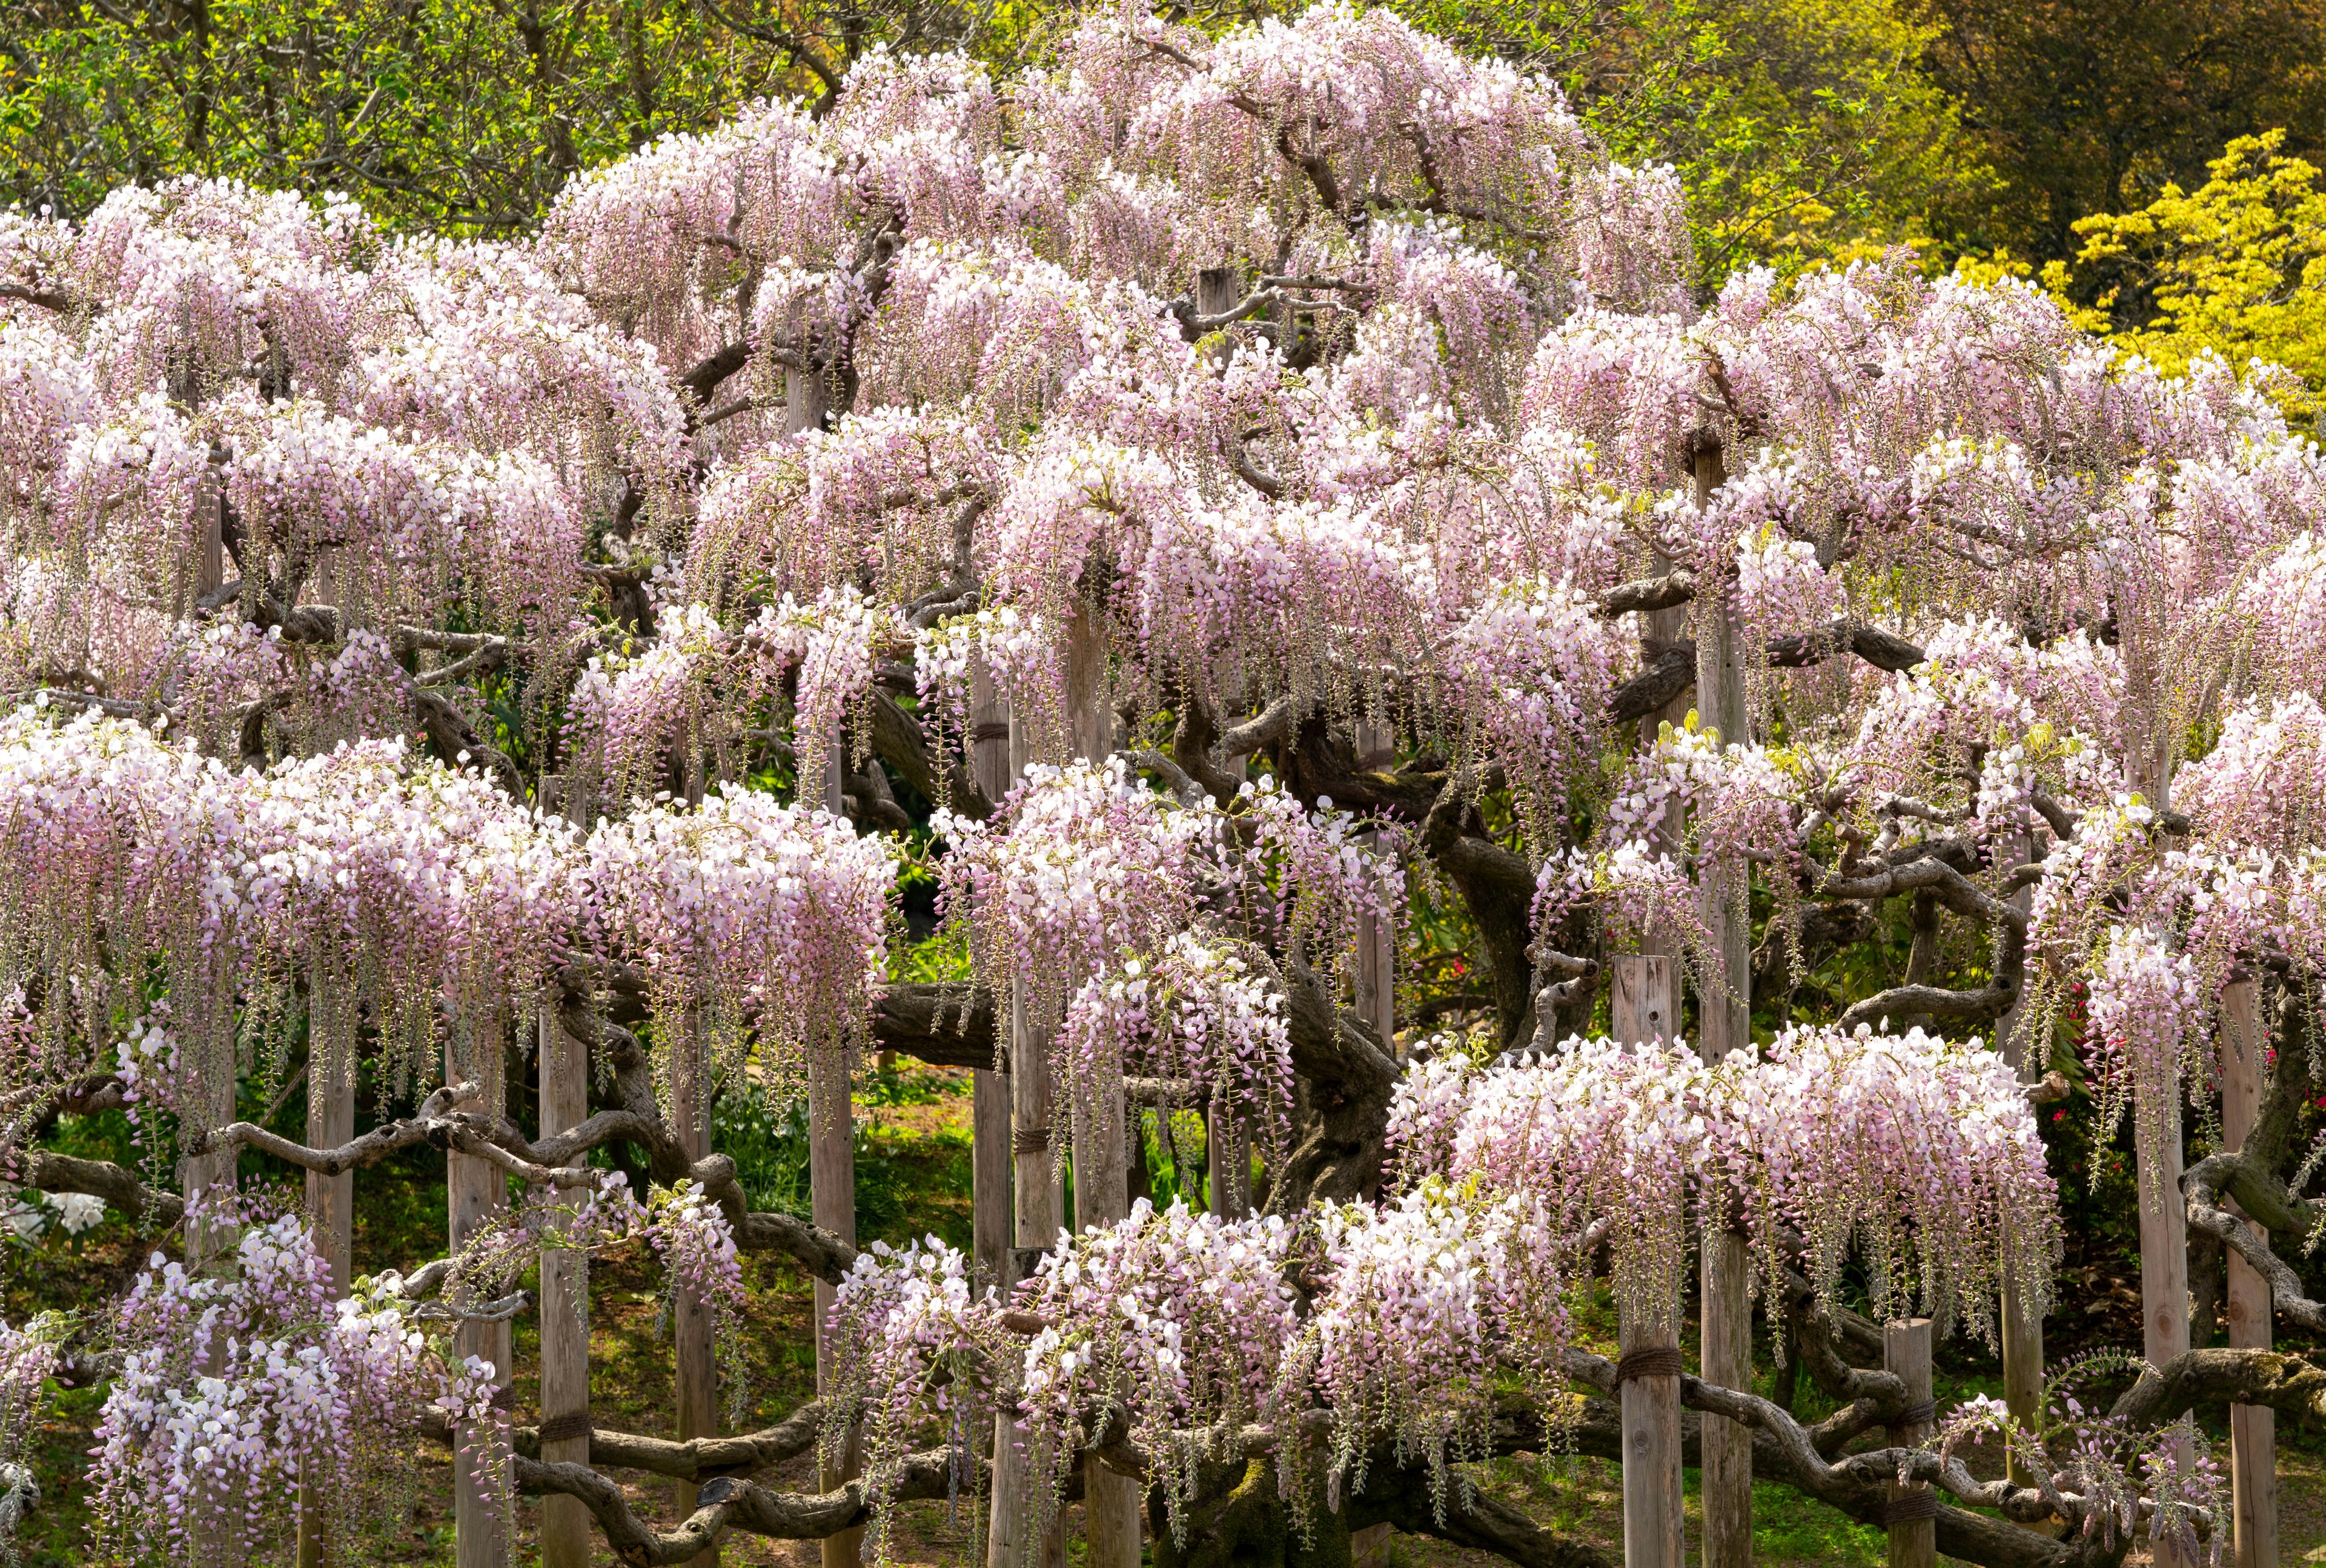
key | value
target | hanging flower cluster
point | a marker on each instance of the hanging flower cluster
(244, 1379)
(29, 1359)
(1917, 1152)
(697, 1247)
(748, 916)
(1917, 1156)
(1196, 1012)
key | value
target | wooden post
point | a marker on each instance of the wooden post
(2253, 1428)
(330, 1200)
(1217, 289)
(1036, 1205)
(832, 1187)
(2157, 1158)
(1376, 955)
(1644, 1000)
(692, 1330)
(210, 1104)
(1227, 1142)
(565, 1522)
(990, 1216)
(1102, 1149)
(1913, 1510)
(1726, 1328)
(476, 1193)
(1376, 997)
(2023, 1323)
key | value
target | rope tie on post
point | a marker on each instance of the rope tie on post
(1911, 1508)
(561, 1428)
(1650, 1362)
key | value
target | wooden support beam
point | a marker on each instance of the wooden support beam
(2253, 1428)
(832, 1192)
(1645, 1002)
(1038, 1210)
(1913, 1509)
(1726, 1356)
(2023, 1321)
(2158, 1159)
(566, 1527)
(330, 1200)
(1102, 1144)
(476, 1193)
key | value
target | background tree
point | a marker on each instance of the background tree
(2092, 107)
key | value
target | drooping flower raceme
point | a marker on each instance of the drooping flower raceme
(242, 1380)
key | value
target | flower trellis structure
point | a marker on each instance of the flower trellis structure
(1219, 504)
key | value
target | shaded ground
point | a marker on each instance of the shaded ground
(915, 1178)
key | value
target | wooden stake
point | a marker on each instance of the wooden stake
(211, 1247)
(565, 1523)
(1376, 955)
(1644, 1000)
(1376, 998)
(1913, 1507)
(1726, 1329)
(1102, 1150)
(989, 1215)
(476, 1193)
(2253, 1428)
(2022, 1324)
(2157, 1156)
(1037, 1209)
(330, 1200)
(832, 1192)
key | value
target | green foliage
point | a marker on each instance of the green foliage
(431, 113)
(1804, 130)
(2235, 268)
(2094, 106)
(768, 1144)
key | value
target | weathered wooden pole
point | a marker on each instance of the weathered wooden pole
(1227, 1141)
(1376, 955)
(1644, 1001)
(693, 1327)
(2158, 1153)
(1102, 1148)
(566, 1528)
(476, 1193)
(212, 1244)
(1725, 1357)
(2023, 1321)
(1039, 1208)
(830, 1100)
(1912, 1511)
(330, 1200)
(1375, 964)
(2253, 1428)
(832, 1190)
(989, 1214)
